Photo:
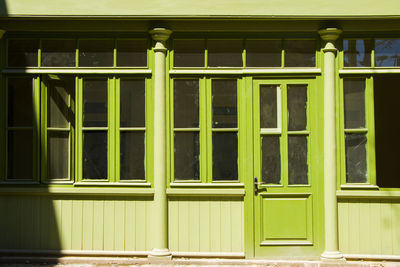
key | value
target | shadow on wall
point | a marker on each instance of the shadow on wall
(3, 8)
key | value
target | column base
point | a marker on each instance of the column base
(160, 254)
(332, 256)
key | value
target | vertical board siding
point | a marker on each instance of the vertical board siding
(65, 223)
(206, 224)
(369, 226)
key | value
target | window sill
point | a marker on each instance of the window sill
(368, 194)
(240, 71)
(359, 186)
(207, 185)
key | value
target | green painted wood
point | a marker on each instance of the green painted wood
(119, 222)
(77, 225)
(98, 224)
(87, 224)
(130, 223)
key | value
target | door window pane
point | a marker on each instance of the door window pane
(189, 53)
(132, 156)
(356, 158)
(187, 152)
(132, 103)
(225, 53)
(95, 102)
(20, 155)
(96, 53)
(268, 106)
(58, 53)
(131, 53)
(186, 103)
(354, 104)
(387, 52)
(357, 53)
(263, 53)
(20, 105)
(297, 107)
(57, 154)
(224, 104)
(298, 166)
(58, 107)
(23, 52)
(299, 53)
(271, 160)
(95, 155)
(225, 155)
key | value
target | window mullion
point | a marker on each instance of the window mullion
(370, 125)
(284, 134)
(36, 128)
(112, 143)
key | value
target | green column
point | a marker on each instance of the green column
(160, 250)
(331, 251)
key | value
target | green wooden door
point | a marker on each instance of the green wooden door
(286, 217)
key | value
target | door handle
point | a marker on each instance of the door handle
(256, 183)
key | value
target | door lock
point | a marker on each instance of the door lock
(256, 184)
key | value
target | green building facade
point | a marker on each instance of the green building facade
(231, 129)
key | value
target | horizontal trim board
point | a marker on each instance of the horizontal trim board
(76, 71)
(78, 191)
(368, 71)
(208, 185)
(286, 243)
(359, 186)
(372, 257)
(245, 71)
(227, 192)
(285, 194)
(369, 194)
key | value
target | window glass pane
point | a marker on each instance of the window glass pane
(58, 107)
(132, 155)
(186, 103)
(298, 166)
(132, 103)
(299, 53)
(58, 53)
(96, 53)
(387, 52)
(187, 152)
(95, 155)
(131, 53)
(189, 53)
(20, 105)
(297, 107)
(356, 158)
(95, 103)
(23, 53)
(57, 154)
(225, 53)
(268, 106)
(224, 103)
(225, 156)
(354, 104)
(263, 53)
(271, 160)
(20, 155)
(357, 53)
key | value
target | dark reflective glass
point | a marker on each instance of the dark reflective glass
(57, 154)
(225, 53)
(132, 103)
(297, 107)
(58, 53)
(186, 103)
(387, 52)
(23, 52)
(357, 53)
(297, 160)
(263, 53)
(268, 106)
(356, 158)
(96, 53)
(20, 106)
(132, 156)
(187, 152)
(354, 103)
(95, 103)
(189, 53)
(20, 155)
(131, 53)
(224, 103)
(299, 53)
(95, 155)
(271, 160)
(59, 112)
(225, 156)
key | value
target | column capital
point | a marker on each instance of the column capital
(2, 32)
(160, 34)
(330, 34)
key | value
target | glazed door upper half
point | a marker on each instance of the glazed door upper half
(285, 187)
